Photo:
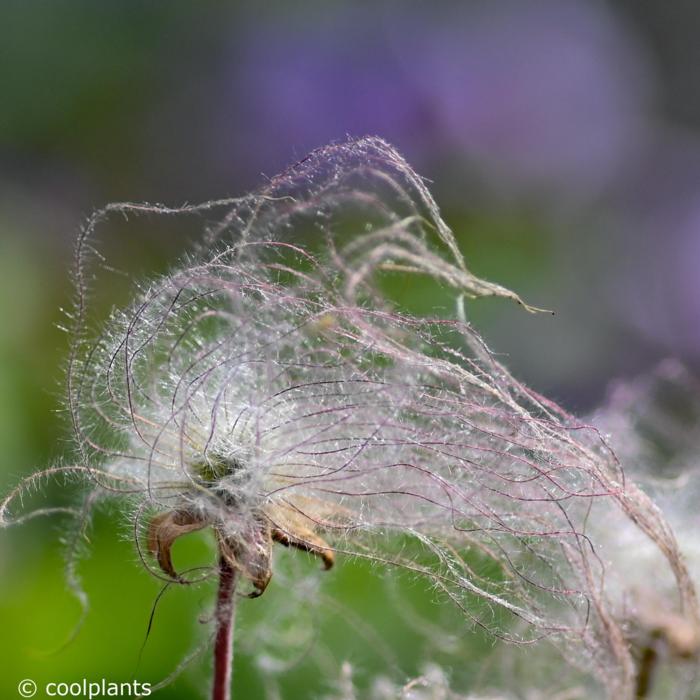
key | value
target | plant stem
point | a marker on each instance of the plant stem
(647, 665)
(223, 646)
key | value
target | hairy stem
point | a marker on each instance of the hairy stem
(646, 668)
(223, 646)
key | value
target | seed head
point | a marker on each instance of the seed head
(268, 388)
(654, 422)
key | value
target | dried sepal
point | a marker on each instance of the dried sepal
(305, 539)
(164, 529)
(250, 553)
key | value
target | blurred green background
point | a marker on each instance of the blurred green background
(561, 138)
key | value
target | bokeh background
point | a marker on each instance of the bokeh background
(561, 139)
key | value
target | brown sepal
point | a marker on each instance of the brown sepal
(164, 529)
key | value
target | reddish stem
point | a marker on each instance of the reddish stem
(223, 646)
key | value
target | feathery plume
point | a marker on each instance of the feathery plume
(268, 389)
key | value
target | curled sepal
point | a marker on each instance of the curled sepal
(292, 528)
(249, 553)
(679, 632)
(164, 529)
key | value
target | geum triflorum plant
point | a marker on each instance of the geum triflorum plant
(654, 423)
(267, 389)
